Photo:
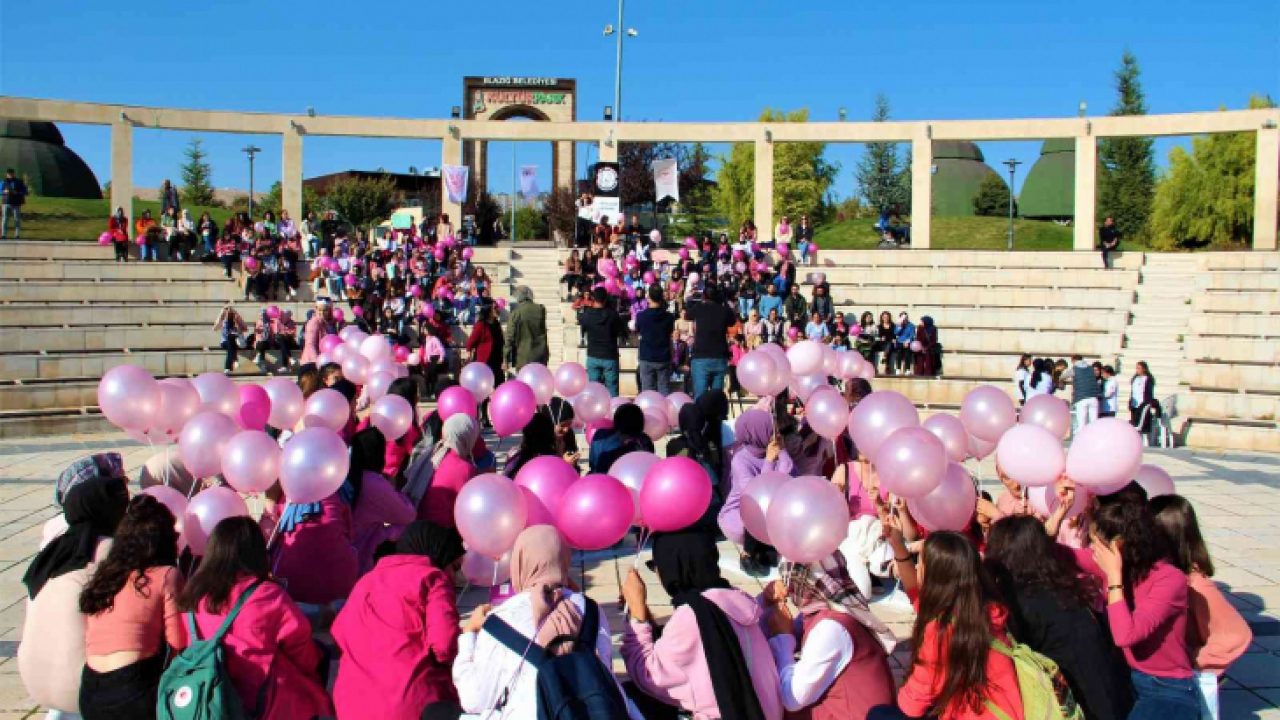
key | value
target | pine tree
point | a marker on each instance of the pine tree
(197, 176)
(992, 199)
(879, 172)
(1128, 186)
(696, 190)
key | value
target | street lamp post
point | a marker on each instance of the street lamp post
(1013, 167)
(251, 150)
(617, 75)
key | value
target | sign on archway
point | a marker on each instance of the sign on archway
(543, 99)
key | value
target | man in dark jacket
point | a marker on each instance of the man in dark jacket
(527, 330)
(603, 328)
(13, 193)
(796, 308)
(1086, 394)
(655, 326)
(1109, 236)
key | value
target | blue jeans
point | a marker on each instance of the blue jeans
(708, 374)
(745, 305)
(11, 211)
(605, 372)
(150, 252)
(1157, 698)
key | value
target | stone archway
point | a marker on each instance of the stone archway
(531, 98)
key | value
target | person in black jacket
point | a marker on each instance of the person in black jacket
(655, 326)
(1050, 611)
(603, 328)
(1109, 236)
(1142, 393)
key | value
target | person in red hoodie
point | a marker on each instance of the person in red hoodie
(273, 663)
(399, 630)
(955, 672)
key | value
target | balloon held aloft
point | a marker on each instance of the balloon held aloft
(951, 432)
(172, 499)
(479, 570)
(827, 412)
(595, 512)
(251, 461)
(456, 400)
(217, 393)
(877, 417)
(313, 465)
(540, 380)
(201, 442)
(179, 402)
(206, 510)
(1105, 452)
(490, 512)
(327, 409)
(950, 506)
(807, 519)
(393, 415)
(286, 403)
(1048, 412)
(631, 470)
(676, 493)
(1031, 456)
(1155, 481)
(756, 499)
(478, 379)
(255, 407)
(806, 357)
(129, 397)
(911, 462)
(570, 378)
(758, 372)
(512, 406)
(546, 478)
(987, 412)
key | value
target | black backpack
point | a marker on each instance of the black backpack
(574, 686)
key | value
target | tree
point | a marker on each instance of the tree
(1206, 196)
(363, 202)
(1129, 183)
(197, 176)
(530, 223)
(274, 201)
(735, 193)
(992, 199)
(697, 191)
(562, 214)
(879, 172)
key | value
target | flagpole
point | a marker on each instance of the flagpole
(514, 190)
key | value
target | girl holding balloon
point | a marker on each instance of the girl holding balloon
(759, 450)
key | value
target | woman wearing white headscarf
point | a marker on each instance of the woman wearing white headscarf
(453, 463)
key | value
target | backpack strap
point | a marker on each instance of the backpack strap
(514, 641)
(995, 710)
(225, 627)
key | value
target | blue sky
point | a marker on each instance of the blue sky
(694, 60)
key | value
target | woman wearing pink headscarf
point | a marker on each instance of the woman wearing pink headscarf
(759, 449)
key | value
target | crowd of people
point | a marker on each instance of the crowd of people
(1093, 390)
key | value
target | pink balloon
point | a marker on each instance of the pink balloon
(490, 512)
(1048, 412)
(950, 506)
(179, 402)
(393, 415)
(540, 380)
(286, 403)
(911, 462)
(375, 347)
(329, 343)
(545, 479)
(251, 461)
(511, 408)
(950, 431)
(603, 423)
(455, 400)
(313, 466)
(341, 353)
(675, 401)
(651, 400)
(378, 385)
(802, 386)
(402, 352)
(1154, 480)
(655, 424)
(1106, 452)
(386, 365)
(480, 570)
(255, 407)
(830, 361)
(987, 412)
(867, 371)
(850, 364)
(630, 470)
(592, 403)
(876, 417)
(595, 512)
(355, 339)
(346, 333)
(758, 373)
(356, 369)
(571, 379)
(328, 409)
(205, 511)
(805, 357)
(827, 412)
(477, 378)
(676, 492)
(1031, 456)
(807, 519)
(217, 393)
(201, 442)
(172, 499)
(980, 449)
(414, 359)
(756, 499)
(106, 238)
(129, 397)
(1044, 500)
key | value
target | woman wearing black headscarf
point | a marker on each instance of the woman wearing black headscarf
(560, 412)
(399, 630)
(711, 654)
(700, 423)
(379, 512)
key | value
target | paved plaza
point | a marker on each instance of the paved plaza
(1237, 497)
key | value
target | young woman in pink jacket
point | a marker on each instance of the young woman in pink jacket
(273, 662)
(399, 630)
(379, 511)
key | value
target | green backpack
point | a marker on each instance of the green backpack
(196, 685)
(1045, 692)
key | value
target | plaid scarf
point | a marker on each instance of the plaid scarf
(107, 465)
(827, 585)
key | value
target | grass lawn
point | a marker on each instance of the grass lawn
(46, 218)
(955, 233)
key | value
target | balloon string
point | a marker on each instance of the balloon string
(495, 573)
(195, 483)
(166, 466)
(276, 529)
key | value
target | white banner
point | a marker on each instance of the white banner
(529, 180)
(455, 182)
(666, 179)
(606, 209)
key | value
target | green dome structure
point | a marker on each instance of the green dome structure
(960, 171)
(1049, 192)
(39, 155)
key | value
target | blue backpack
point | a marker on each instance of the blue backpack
(574, 686)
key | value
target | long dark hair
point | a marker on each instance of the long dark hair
(1143, 545)
(145, 538)
(1037, 372)
(537, 439)
(1176, 517)
(1021, 555)
(236, 548)
(1022, 362)
(407, 389)
(955, 596)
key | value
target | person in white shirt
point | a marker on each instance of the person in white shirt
(1040, 381)
(1020, 377)
(491, 677)
(843, 666)
(1110, 392)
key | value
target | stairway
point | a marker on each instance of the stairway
(538, 268)
(1159, 319)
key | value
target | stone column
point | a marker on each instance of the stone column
(122, 170)
(921, 189)
(1266, 188)
(1086, 193)
(566, 168)
(291, 173)
(450, 154)
(764, 190)
(607, 153)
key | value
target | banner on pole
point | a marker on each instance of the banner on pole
(529, 181)
(455, 182)
(666, 179)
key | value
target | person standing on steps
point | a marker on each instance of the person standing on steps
(13, 194)
(527, 330)
(1109, 236)
(655, 326)
(603, 328)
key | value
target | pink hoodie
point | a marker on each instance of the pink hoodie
(316, 561)
(399, 636)
(381, 515)
(674, 669)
